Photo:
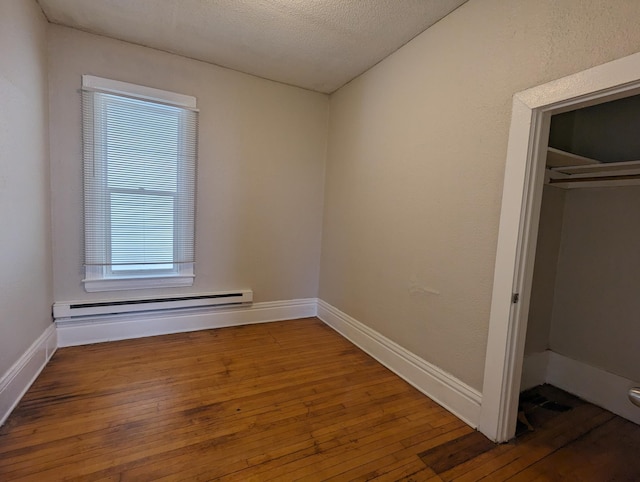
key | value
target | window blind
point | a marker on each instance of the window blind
(139, 185)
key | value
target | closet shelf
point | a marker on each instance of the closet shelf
(568, 170)
(558, 159)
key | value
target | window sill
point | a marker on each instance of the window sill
(121, 284)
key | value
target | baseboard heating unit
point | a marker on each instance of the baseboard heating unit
(67, 310)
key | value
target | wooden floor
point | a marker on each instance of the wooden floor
(279, 401)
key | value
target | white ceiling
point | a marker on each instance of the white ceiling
(316, 44)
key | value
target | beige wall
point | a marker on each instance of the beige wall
(260, 170)
(25, 250)
(545, 270)
(596, 306)
(416, 162)
(415, 165)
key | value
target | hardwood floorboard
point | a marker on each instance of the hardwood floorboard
(394, 471)
(250, 445)
(589, 456)
(506, 460)
(280, 401)
(307, 395)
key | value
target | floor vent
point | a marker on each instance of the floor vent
(72, 309)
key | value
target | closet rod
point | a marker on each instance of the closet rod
(594, 178)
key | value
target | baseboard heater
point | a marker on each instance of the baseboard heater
(72, 309)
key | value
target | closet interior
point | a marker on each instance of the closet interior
(583, 332)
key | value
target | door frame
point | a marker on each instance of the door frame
(519, 217)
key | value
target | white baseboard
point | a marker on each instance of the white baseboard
(17, 380)
(454, 395)
(97, 329)
(594, 385)
(534, 370)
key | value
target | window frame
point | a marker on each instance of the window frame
(102, 277)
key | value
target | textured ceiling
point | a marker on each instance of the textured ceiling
(316, 44)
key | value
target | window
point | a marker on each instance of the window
(139, 186)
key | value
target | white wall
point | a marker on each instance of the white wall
(260, 169)
(596, 306)
(25, 249)
(416, 162)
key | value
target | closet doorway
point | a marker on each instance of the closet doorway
(582, 327)
(525, 174)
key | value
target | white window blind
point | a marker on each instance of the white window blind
(139, 185)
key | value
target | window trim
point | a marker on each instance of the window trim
(96, 277)
(140, 92)
(124, 283)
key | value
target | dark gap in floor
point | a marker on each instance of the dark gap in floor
(455, 452)
(540, 404)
